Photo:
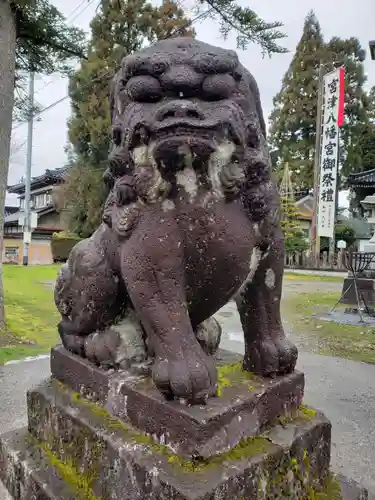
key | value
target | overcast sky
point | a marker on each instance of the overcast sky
(342, 18)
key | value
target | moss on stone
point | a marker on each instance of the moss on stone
(245, 449)
(331, 490)
(79, 482)
(302, 413)
(305, 412)
(230, 374)
(302, 481)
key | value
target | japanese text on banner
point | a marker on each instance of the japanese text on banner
(329, 154)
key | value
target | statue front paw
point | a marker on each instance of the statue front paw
(270, 357)
(191, 376)
(262, 358)
(287, 354)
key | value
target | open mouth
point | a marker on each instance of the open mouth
(172, 135)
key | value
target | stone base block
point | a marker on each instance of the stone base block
(246, 404)
(366, 289)
(75, 449)
(30, 473)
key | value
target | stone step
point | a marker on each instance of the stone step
(28, 474)
(245, 406)
(119, 462)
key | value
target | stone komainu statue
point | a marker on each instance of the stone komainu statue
(192, 220)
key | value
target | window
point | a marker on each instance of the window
(40, 200)
(11, 254)
(22, 203)
(11, 251)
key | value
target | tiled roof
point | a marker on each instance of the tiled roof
(362, 179)
(49, 177)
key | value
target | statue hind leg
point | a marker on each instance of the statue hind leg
(267, 350)
(97, 321)
(93, 325)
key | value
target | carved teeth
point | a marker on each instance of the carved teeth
(226, 132)
(140, 137)
(143, 135)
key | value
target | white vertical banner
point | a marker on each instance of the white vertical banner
(333, 85)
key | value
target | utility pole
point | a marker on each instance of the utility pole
(27, 220)
(315, 239)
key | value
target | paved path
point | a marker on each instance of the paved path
(344, 390)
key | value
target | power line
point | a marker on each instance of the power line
(89, 2)
(55, 103)
(53, 80)
(75, 10)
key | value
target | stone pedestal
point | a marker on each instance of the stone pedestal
(111, 436)
(366, 289)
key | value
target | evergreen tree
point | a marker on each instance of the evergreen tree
(294, 237)
(371, 105)
(44, 44)
(292, 131)
(119, 28)
(245, 23)
(295, 240)
(293, 120)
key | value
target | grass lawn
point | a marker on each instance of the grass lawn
(31, 315)
(312, 277)
(325, 337)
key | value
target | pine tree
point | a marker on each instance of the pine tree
(119, 28)
(292, 131)
(294, 237)
(363, 156)
(245, 23)
(371, 105)
(293, 120)
(45, 43)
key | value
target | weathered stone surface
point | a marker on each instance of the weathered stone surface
(192, 217)
(107, 459)
(366, 289)
(246, 403)
(28, 474)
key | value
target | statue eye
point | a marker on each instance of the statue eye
(144, 88)
(217, 87)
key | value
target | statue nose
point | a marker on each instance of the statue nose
(181, 109)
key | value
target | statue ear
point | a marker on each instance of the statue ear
(108, 179)
(112, 96)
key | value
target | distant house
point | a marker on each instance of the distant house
(305, 208)
(49, 219)
(10, 209)
(304, 215)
